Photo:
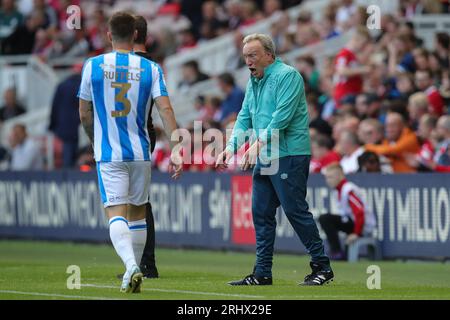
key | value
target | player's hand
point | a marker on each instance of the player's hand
(351, 238)
(176, 164)
(251, 155)
(223, 158)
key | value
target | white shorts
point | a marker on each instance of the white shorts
(124, 182)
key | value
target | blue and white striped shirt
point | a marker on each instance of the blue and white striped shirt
(121, 87)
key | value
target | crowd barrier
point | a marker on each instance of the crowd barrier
(213, 210)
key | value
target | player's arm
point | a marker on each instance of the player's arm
(86, 108)
(167, 116)
(170, 125)
(87, 118)
(165, 110)
(162, 102)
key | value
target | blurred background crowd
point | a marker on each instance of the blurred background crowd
(381, 104)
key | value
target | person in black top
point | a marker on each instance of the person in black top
(22, 40)
(65, 118)
(148, 264)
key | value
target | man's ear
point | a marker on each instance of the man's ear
(135, 35)
(109, 35)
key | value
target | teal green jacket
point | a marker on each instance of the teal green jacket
(275, 108)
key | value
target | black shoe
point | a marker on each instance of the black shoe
(318, 277)
(252, 280)
(149, 272)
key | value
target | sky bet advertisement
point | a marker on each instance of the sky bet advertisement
(211, 210)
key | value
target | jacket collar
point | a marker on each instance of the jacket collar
(268, 70)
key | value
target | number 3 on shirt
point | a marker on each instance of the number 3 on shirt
(120, 97)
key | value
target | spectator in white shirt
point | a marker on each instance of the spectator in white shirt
(344, 14)
(25, 153)
(351, 150)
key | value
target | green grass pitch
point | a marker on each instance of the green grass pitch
(37, 270)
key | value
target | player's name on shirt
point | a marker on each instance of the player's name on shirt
(111, 72)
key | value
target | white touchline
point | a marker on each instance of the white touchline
(55, 295)
(180, 291)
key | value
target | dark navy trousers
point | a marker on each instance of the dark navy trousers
(287, 187)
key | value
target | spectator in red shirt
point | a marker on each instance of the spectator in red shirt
(424, 82)
(322, 153)
(425, 129)
(348, 73)
(354, 217)
(442, 156)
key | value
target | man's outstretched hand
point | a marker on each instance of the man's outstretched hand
(223, 158)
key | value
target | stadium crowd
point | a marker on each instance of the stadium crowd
(380, 105)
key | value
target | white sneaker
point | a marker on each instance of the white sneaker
(131, 281)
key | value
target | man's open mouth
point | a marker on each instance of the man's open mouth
(252, 70)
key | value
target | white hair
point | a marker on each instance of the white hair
(265, 40)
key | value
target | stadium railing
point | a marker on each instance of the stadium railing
(210, 55)
(184, 104)
(13, 74)
(36, 122)
(33, 79)
(428, 25)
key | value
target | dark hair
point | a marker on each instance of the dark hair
(312, 98)
(121, 26)
(191, 64)
(365, 157)
(227, 78)
(215, 102)
(443, 39)
(410, 25)
(307, 59)
(141, 28)
(323, 141)
(427, 71)
(399, 106)
(371, 98)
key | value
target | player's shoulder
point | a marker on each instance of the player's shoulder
(96, 59)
